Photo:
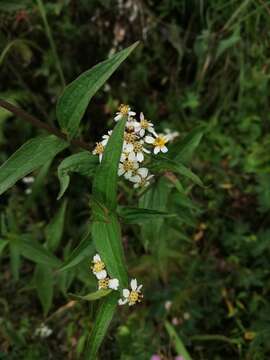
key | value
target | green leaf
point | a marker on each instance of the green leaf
(229, 42)
(3, 244)
(35, 252)
(139, 215)
(43, 279)
(165, 164)
(179, 346)
(92, 296)
(83, 163)
(54, 229)
(106, 178)
(15, 260)
(30, 156)
(107, 240)
(83, 250)
(72, 104)
(102, 322)
(182, 150)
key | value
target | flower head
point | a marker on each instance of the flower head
(137, 153)
(131, 297)
(127, 167)
(99, 150)
(143, 125)
(158, 141)
(108, 283)
(124, 110)
(98, 268)
(141, 178)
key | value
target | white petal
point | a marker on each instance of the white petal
(133, 284)
(128, 175)
(132, 156)
(113, 284)
(142, 132)
(126, 293)
(139, 288)
(122, 302)
(143, 172)
(141, 116)
(131, 113)
(96, 258)
(136, 165)
(101, 274)
(146, 151)
(100, 157)
(121, 170)
(149, 139)
(135, 179)
(136, 185)
(118, 117)
(156, 150)
(164, 149)
(140, 156)
(128, 147)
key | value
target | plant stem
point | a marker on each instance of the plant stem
(42, 125)
(51, 41)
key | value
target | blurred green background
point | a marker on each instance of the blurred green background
(200, 63)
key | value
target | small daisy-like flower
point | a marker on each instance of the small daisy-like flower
(133, 296)
(137, 153)
(108, 283)
(124, 110)
(106, 138)
(143, 125)
(99, 150)
(141, 178)
(127, 167)
(98, 267)
(158, 142)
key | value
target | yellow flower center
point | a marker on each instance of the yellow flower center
(134, 297)
(160, 141)
(137, 147)
(124, 109)
(144, 124)
(99, 149)
(103, 283)
(129, 138)
(128, 165)
(98, 266)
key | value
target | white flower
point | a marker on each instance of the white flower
(28, 179)
(143, 125)
(106, 138)
(124, 110)
(127, 167)
(99, 150)
(43, 331)
(98, 267)
(158, 142)
(129, 141)
(133, 296)
(108, 283)
(141, 178)
(137, 153)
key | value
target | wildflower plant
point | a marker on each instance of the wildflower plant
(133, 151)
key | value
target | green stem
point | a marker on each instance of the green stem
(51, 41)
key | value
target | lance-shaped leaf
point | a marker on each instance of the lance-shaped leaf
(55, 228)
(91, 296)
(30, 156)
(102, 322)
(139, 215)
(179, 345)
(83, 163)
(106, 232)
(72, 104)
(43, 279)
(166, 164)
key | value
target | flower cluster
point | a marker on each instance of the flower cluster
(140, 139)
(99, 270)
(130, 297)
